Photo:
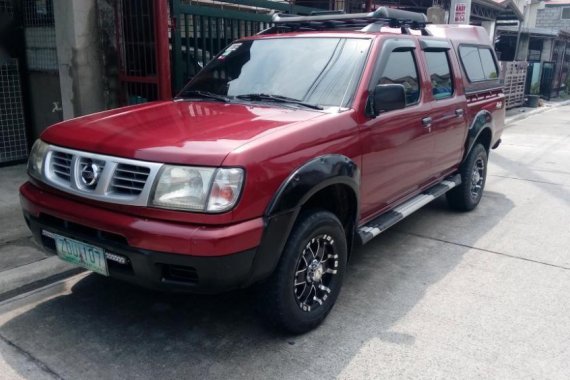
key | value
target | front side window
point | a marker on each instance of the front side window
(401, 69)
(440, 74)
(319, 71)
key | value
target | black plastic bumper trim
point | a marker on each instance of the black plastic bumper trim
(161, 270)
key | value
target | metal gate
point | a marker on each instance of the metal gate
(142, 44)
(160, 47)
(199, 32)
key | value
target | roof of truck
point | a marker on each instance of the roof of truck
(462, 33)
(383, 21)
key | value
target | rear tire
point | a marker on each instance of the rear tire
(467, 196)
(307, 281)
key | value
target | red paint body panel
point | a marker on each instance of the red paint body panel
(188, 133)
(156, 235)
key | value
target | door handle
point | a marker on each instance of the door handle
(459, 112)
(426, 121)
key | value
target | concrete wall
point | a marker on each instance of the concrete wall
(45, 103)
(550, 18)
(79, 57)
(547, 47)
(530, 12)
(108, 39)
(523, 48)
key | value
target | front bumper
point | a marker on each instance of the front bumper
(226, 259)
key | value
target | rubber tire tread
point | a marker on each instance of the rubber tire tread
(276, 299)
(459, 198)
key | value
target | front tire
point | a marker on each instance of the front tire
(304, 287)
(467, 196)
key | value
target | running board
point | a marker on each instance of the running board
(388, 219)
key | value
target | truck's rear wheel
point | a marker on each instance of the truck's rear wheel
(308, 278)
(467, 196)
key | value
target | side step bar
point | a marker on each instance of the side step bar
(388, 219)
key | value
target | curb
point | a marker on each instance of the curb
(31, 276)
(521, 116)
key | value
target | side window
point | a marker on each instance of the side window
(478, 63)
(472, 63)
(440, 74)
(401, 69)
(489, 67)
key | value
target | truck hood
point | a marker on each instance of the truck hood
(178, 132)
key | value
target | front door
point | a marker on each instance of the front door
(397, 144)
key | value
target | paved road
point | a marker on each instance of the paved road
(442, 295)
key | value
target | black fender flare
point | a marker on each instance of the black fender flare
(482, 121)
(312, 177)
(284, 208)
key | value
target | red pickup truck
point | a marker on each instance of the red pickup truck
(287, 151)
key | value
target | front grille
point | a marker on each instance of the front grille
(79, 230)
(100, 177)
(61, 165)
(129, 179)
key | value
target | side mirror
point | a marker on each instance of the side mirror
(388, 97)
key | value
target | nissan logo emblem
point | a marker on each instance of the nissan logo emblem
(90, 173)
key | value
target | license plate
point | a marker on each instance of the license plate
(85, 255)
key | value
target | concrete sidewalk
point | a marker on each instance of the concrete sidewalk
(23, 264)
(519, 113)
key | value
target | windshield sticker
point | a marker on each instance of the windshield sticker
(229, 50)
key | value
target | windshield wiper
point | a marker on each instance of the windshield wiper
(204, 94)
(279, 99)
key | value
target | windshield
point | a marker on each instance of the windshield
(315, 71)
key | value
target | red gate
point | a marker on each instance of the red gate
(143, 50)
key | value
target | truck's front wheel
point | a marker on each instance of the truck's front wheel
(308, 278)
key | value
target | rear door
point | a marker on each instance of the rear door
(448, 107)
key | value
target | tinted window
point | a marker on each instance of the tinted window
(478, 63)
(472, 63)
(401, 69)
(489, 68)
(565, 13)
(322, 71)
(440, 74)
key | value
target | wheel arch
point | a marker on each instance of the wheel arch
(329, 182)
(480, 130)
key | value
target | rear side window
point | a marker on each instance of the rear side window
(401, 69)
(489, 67)
(440, 74)
(478, 63)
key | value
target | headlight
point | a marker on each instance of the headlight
(36, 159)
(197, 189)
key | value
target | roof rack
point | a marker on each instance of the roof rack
(368, 22)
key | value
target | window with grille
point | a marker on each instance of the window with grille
(39, 28)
